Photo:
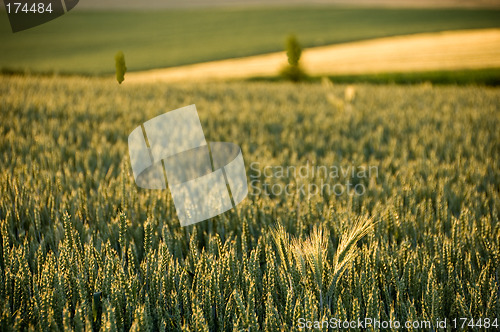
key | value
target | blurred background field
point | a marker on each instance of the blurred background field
(85, 42)
(447, 57)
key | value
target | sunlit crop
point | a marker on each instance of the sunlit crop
(83, 248)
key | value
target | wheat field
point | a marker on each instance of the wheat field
(84, 249)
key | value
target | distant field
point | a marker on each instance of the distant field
(85, 42)
(450, 50)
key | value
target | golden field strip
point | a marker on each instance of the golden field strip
(449, 50)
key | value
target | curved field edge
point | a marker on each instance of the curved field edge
(435, 201)
(479, 77)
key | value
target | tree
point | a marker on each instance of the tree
(120, 67)
(293, 71)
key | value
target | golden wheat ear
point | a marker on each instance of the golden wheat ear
(346, 250)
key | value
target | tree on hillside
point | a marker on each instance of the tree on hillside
(120, 66)
(293, 71)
